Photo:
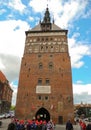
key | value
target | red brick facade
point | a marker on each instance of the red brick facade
(5, 94)
(45, 81)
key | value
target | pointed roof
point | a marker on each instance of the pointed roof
(46, 25)
(3, 80)
(38, 27)
(46, 21)
(2, 77)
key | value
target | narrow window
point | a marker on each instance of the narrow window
(51, 48)
(47, 82)
(39, 81)
(51, 55)
(43, 38)
(46, 48)
(39, 97)
(50, 65)
(41, 48)
(40, 66)
(39, 55)
(46, 39)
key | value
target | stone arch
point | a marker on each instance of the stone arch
(42, 114)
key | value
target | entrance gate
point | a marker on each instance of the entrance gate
(42, 114)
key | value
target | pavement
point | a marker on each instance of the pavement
(5, 123)
(58, 127)
(62, 127)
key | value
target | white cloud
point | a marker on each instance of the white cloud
(2, 11)
(12, 40)
(79, 82)
(1, 65)
(31, 18)
(84, 98)
(78, 51)
(82, 92)
(12, 37)
(3, 2)
(17, 5)
(10, 66)
(38, 5)
(88, 13)
(69, 12)
(14, 88)
(81, 88)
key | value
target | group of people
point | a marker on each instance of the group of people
(82, 125)
(30, 125)
(43, 125)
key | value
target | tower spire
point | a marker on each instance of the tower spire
(47, 4)
(47, 16)
(46, 23)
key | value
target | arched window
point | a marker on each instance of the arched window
(39, 81)
(50, 65)
(51, 48)
(40, 65)
(47, 81)
(39, 97)
(46, 48)
(41, 48)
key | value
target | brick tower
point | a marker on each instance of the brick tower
(45, 81)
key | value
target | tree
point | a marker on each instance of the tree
(12, 108)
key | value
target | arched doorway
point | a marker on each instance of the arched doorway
(42, 114)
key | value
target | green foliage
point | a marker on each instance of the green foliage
(12, 108)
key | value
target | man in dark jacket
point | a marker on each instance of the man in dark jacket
(88, 127)
(12, 125)
(0, 123)
(69, 125)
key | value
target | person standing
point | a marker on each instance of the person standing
(0, 123)
(88, 127)
(83, 125)
(69, 125)
(12, 125)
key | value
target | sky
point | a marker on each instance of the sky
(18, 16)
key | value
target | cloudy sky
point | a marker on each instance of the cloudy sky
(18, 16)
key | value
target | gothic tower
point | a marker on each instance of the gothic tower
(45, 81)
